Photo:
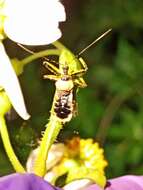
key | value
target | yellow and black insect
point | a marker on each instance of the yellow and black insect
(66, 81)
(68, 77)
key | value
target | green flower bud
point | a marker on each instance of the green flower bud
(5, 104)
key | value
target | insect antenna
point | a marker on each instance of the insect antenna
(26, 49)
(32, 52)
(95, 41)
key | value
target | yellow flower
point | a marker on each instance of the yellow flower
(84, 159)
(92, 154)
(78, 158)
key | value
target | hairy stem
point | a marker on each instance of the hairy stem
(52, 130)
(8, 147)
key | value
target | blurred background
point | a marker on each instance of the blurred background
(110, 109)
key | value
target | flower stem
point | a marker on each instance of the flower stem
(52, 130)
(59, 45)
(8, 147)
(39, 55)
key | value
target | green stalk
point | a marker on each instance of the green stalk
(8, 147)
(52, 130)
(40, 54)
(59, 45)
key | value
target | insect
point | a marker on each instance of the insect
(68, 76)
(66, 82)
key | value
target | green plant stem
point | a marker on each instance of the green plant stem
(39, 55)
(59, 45)
(52, 130)
(8, 147)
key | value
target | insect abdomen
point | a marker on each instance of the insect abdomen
(63, 107)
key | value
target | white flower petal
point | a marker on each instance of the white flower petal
(9, 81)
(78, 184)
(55, 154)
(28, 38)
(33, 22)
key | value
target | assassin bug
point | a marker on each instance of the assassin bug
(68, 77)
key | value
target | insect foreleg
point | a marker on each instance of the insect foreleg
(51, 68)
(83, 64)
(51, 77)
(78, 73)
(81, 71)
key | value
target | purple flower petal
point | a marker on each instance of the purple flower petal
(24, 182)
(128, 182)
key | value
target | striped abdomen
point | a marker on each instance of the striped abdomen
(63, 106)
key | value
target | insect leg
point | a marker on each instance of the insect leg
(51, 68)
(78, 73)
(75, 104)
(51, 77)
(83, 64)
(81, 71)
(80, 82)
